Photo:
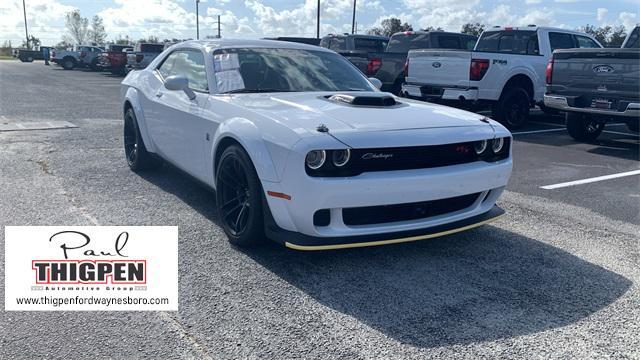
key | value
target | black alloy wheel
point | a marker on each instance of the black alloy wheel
(239, 198)
(136, 153)
(512, 109)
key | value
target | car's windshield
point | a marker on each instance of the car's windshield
(285, 70)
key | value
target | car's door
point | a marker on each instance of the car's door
(178, 123)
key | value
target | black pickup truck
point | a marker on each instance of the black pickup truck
(385, 60)
(596, 86)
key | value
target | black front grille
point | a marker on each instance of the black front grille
(403, 212)
(407, 158)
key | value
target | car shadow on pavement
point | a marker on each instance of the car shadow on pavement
(481, 285)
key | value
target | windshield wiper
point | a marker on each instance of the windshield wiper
(248, 91)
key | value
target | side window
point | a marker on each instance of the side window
(561, 41)
(585, 42)
(187, 63)
(632, 39)
(532, 45)
(469, 43)
(449, 42)
(489, 41)
(506, 43)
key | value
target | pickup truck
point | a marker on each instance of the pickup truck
(596, 86)
(114, 58)
(355, 47)
(385, 59)
(78, 56)
(142, 55)
(25, 55)
(505, 72)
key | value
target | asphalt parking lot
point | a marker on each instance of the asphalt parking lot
(556, 278)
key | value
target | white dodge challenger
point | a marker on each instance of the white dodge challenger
(300, 147)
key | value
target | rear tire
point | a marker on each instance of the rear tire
(512, 110)
(583, 128)
(138, 158)
(68, 63)
(239, 198)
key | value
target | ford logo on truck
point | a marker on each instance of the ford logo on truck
(602, 69)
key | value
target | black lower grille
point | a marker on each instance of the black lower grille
(403, 212)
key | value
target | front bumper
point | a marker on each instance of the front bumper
(302, 242)
(561, 103)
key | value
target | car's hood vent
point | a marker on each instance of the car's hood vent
(381, 100)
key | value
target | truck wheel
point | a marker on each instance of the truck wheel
(512, 109)
(94, 65)
(138, 158)
(30, 59)
(396, 89)
(583, 128)
(633, 126)
(68, 63)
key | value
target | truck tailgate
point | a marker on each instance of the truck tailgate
(439, 67)
(599, 73)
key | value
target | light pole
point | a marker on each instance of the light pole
(197, 21)
(318, 22)
(26, 33)
(353, 21)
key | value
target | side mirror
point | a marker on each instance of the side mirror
(177, 82)
(377, 83)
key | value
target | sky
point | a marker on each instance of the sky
(259, 18)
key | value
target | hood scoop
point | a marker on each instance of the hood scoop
(381, 100)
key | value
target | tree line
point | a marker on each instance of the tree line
(607, 35)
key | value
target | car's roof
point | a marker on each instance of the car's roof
(412, 32)
(228, 43)
(532, 28)
(360, 36)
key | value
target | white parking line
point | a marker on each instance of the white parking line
(536, 131)
(618, 133)
(590, 180)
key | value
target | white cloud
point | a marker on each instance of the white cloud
(300, 20)
(601, 13)
(532, 2)
(628, 19)
(45, 20)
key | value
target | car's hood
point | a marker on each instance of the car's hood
(308, 110)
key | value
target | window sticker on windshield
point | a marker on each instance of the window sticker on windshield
(229, 81)
(225, 62)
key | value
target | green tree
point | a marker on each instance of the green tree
(431, 28)
(617, 36)
(473, 29)
(97, 34)
(606, 35)
(389, 27)
(77, 28)
(34, 43)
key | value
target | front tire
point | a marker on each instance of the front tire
(582, 127)
(138, 158)
(239, 198)
(512, 110)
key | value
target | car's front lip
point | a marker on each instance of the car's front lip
(298, 241)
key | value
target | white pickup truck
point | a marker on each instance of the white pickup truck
(505, 72)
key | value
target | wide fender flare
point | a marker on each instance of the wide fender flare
(525, 71)
(133, 97)
(250, 138)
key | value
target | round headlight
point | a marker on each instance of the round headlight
(497, 145)
(315, 159)
(480, 146)
(341, 157)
